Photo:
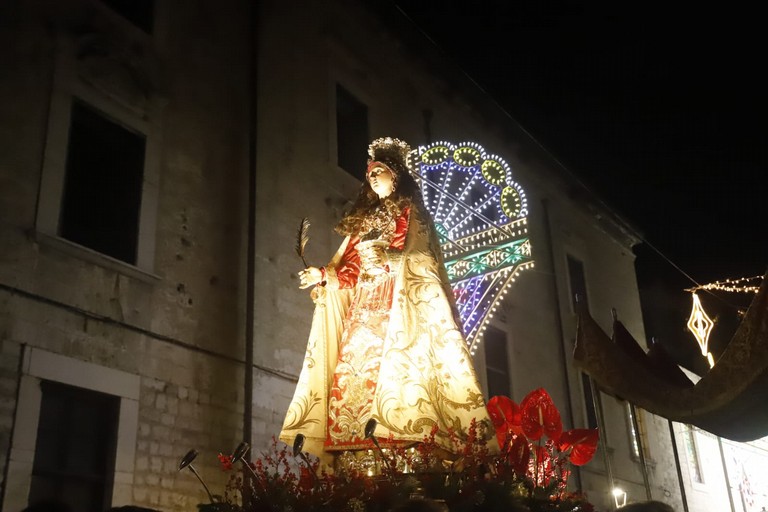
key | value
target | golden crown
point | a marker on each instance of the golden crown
(391, 151)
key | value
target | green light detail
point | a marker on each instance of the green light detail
(442, 233)
(486, 260)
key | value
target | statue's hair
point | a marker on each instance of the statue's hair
(406, 194)
(394, 153)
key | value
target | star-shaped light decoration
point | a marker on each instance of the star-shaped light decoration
(701, 326)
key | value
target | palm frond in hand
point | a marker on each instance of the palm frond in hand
(302, 237)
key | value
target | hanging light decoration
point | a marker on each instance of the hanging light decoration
(740, 285)
(701, 326)
(481, 217)
(699, 322)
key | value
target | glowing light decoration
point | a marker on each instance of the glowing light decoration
(701, 326)
(619, 496)
(481, 218)
(740, 285)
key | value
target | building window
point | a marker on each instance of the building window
(75, 448)
(102, 188)
(103, 144)
(589, 401)
(99, 183)
(692, 451)
(496, 362)
(637, 436)
(91, 384)
(139, 12)
(578, 285)
(351, 133)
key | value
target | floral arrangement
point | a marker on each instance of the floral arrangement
(529, 472)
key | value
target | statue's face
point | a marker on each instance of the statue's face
(381, 179)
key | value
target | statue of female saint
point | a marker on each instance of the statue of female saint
(385, 341)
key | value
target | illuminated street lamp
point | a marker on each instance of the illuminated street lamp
(619, 497)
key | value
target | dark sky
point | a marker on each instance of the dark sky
(656, 108)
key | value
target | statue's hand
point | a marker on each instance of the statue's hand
(310, 276)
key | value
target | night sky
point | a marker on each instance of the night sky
(656, 109)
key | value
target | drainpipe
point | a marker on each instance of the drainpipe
(641, 452)
(677, 466)
(725, 473)
(598, 405)
(250, 299)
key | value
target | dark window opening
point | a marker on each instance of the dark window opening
(589, 401)
(102, 190)
(351, 133)
(578, 282)
(139, 12)
(694, 464)
(75, 449)
(496, 362)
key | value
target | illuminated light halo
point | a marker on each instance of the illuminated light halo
(480, 214)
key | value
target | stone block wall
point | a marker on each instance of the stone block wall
(177, 328)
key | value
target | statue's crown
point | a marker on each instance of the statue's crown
(390, 151)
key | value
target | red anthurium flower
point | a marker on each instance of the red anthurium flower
(519, 455)
(540, 416)
(506, 418)
(584, 444)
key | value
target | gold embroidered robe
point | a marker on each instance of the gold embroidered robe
(425, 377)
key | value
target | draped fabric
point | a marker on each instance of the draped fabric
(729, 401)
(414, 370)
(356, 377)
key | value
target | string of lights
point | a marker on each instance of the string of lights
(740, 285)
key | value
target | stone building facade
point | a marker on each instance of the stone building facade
(206, 102)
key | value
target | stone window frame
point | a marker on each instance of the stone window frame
(639, 438)
(494, 369)
(358, 174)
(38, 365)
(689, 435)
(576, 251)
(70, 83)
(346, 72)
